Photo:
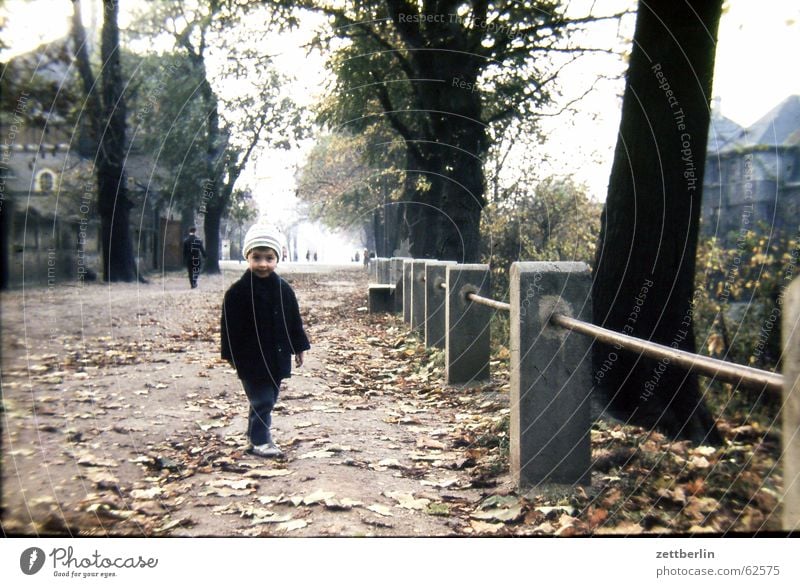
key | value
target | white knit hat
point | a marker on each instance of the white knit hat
(263, 235)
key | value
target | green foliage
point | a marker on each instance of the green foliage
(171, 123)
(203, 136)
(346, 179)
(552, 220)
(738, 303)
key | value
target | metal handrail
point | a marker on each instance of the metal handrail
(473, 297)
(716, 368)
(722, 370)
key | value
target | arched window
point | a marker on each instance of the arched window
(45, 181)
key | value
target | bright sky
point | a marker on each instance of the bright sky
(753, 74)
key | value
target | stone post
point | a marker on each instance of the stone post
(373, 270)
(418, 294)
(407, 282)
(467, 334)
(396, 278)
(790, 333)
(551, 375)
(435, 300)
(383, 270)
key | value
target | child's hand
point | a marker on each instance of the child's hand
(298, 359)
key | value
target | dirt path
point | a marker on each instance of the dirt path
(120, 419)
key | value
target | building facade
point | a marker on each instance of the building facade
(752, 177)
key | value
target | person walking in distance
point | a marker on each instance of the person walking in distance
(193, 255)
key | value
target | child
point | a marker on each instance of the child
(261, 328)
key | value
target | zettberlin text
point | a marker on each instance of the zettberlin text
(702, 553)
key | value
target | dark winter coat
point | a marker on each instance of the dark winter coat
(261, 327)
(193, 250)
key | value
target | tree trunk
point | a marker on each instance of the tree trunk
(463, 204)
(211, 231)
(644, 277)
(393, 212)
(422, 206)
(113, 204)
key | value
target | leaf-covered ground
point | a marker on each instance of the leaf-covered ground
(119, 419)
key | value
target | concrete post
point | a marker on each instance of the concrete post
(407, 282)
(383, 270)
(790, 333)
(396, 278)
(435, 300)
(467, 333)
(418, 294)
(373, 270)
(551, 375)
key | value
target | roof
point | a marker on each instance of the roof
(722, 132)
(780, 127)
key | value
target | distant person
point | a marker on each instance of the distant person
(260, 330)
(357, 257)
(308, 255)
(193, 255)
(315, 256)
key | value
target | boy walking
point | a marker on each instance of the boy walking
(260, 330)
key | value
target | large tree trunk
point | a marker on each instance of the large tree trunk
(422, 205)
(644, 281)
(211, 231)
(113, 204)
(463, 203)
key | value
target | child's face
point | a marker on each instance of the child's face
(262, 261)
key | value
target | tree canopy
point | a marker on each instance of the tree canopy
(442, 77)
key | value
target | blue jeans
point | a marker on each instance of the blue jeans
(262, 395)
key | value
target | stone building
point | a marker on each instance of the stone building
(49, 225)
(752, 177)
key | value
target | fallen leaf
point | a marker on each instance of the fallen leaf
(225, 492)
(272, 519)
(233, 483)
(102, 479)
(407, 500)
(699, 462)
(390, 464)
(380, 509)
(502, 501)
(292, 525)
(317, 454)
(317, 497)
(546, 528)
(89, 460)
(485, 528)
(705, 451)
(268, 473)
(206, 425)
(624, 529)
(425, 442)
(175, 523)
(146, 493)
(441, 484)
(504, 515)
(438, 509)
(265, 499)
